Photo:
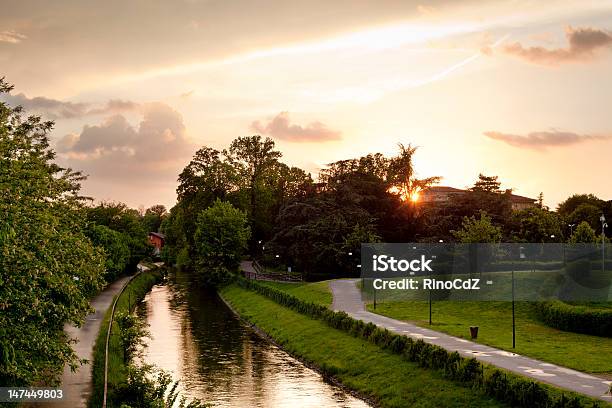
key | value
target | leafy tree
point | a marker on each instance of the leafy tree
(253, 158)
(583, 234)
(585, 213)
(488, 184)
(535, 225)
(153, 217)
(48, 266)
(176, 240)
(207, 177)
(316, 234)
(115, 247)
(478, 230)
(568, 206)
(127, 221)
(221, 237)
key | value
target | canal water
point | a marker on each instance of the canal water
(221, 360)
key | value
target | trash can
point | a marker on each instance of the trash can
(474, 331)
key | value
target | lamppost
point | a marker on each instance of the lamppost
(430, 297)
(571, 228)
(603, 243)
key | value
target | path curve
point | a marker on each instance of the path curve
(347, 298)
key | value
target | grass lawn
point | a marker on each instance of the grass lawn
(316, 292)
(578, 351)
(360, 365)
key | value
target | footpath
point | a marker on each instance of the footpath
(347, 298)
(77, 385)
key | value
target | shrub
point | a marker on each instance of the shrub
(577, 319)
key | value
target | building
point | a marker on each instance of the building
(440, 194)
(520, 202)
(157, 240)
(443, 194)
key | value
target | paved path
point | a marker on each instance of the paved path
(347, 298)
(77, 386)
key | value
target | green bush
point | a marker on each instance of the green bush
(577, 319)
(505, 386)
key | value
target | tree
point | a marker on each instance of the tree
(221, 237)
(535, 225)
(585, 212)
(115, 247)
(568, 206)
(541, 201)
(480, 230)
(401, 174)
(252, 158)
(488, 184)
(153, 217)
(119, 217)
(48, 266)
(583, 234)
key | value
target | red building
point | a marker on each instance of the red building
(157, 240)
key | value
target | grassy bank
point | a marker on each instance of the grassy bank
(316, 292)
(533, 338)
(362, 366)
(132, 294)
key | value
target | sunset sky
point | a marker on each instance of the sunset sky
(519, 89)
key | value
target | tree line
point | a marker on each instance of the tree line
(285, 218)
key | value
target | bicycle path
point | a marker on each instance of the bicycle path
(347, 298)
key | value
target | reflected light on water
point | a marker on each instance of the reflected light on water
(221, 361)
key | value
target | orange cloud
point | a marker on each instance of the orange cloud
(543, 140)
(584, 43)
(281, 128)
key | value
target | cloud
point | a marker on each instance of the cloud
(584, 43)
(11, 37)
(121, 152)
(280, 128)
(543, 140)
(56, 109)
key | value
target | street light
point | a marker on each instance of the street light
(571, 228)
(603, 243)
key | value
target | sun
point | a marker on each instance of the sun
(413, 197)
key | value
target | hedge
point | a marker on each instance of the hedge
(502, 385)
(577, 319)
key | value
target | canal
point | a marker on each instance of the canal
(221, 360)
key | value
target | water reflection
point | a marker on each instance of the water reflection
(222, 361)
